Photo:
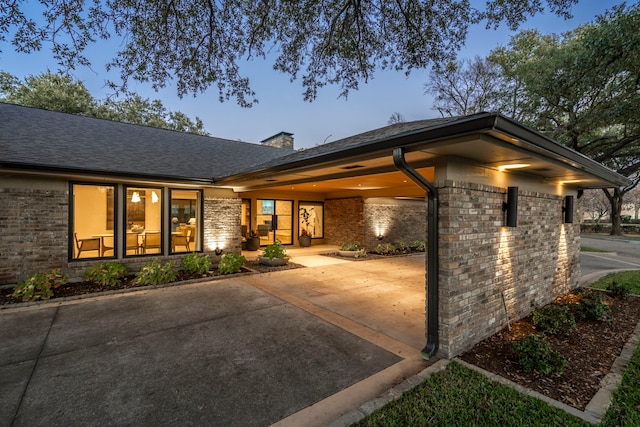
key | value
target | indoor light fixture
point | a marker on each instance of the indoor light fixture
(567, 209)
(511, 206)
(135, 197)
(154, 197)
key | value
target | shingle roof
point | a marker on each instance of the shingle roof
(356, 141)
(51, 140)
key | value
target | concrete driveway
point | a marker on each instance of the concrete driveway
(297, 347)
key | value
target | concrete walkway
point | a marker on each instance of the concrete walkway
(296, 347)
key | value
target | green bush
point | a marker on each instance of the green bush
(154, 273)
(106, 273)
(195, 263)
(418, 245)
(592, 306)
(351, 246)
(38, 286)
(402, 246)
(554, 318)
(535, 354)
(231, 263)
(619, 290)
(385, 249)
(275, 250)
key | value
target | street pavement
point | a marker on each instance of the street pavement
(622, 254)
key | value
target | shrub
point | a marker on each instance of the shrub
(38, 286)
(592, 306)
(402, 246)
(554, 318)
(385, 249)
(154, 273)
(535, 354)
(275, 250)
(231, 263)
(619, 290)
(418, 245)
(351, 246)
(195, 263)
(106, 273)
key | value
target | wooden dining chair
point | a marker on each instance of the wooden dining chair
(181, 240)
(151, 241)
(85, 245)
(132, 243)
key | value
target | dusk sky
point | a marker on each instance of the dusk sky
(281, 106)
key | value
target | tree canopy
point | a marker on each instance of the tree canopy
(201, 43)
(59, 92)
(581, 88)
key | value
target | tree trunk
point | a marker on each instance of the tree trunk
(616, 209)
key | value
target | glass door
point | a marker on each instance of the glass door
(275, 221)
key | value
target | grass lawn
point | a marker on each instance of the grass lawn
(629, 279)
(459, 396)
(590, 249)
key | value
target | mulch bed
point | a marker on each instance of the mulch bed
(590, 351)
(86, 288)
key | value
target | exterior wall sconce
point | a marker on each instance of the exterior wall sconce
(218, 251)
(568, 209)
(511, 207)
(380, 237)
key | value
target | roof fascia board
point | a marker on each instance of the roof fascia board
(531, 140)
(84, 174)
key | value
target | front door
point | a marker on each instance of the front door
(275, 221)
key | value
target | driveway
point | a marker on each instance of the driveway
(295, 347)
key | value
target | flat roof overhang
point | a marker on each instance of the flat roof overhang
(487, 139)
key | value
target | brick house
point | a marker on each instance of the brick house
(495, 199)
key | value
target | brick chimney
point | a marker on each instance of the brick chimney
(279, 140)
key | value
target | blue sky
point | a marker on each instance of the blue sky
(281, 106)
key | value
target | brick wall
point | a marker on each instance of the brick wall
(222, 224)
(480, 260)
(343, 220)
(33, 230)
(394, 220)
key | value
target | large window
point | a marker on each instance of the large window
(185, 221)
(93, 221)
(311, 218)
(274, 221)
(143, 214)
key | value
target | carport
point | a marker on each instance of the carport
(482, 268)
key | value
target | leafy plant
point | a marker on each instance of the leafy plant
(592, 306)
(231, 263)
(554, 318)
(38, 286)
(275, 250)
(351, 246)
(418, 245)
(402, 246)
(619, 290)
(154, 273)
(535, 354)
(385, 249)
(106, 273)
(195, 263)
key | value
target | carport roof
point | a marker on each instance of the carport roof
(486, 139)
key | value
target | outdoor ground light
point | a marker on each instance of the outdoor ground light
(218, 251)
(511, 207)
(568, 209)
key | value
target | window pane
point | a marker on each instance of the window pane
(185, 221)
(311, 218)
(93, 221)
(144, 221)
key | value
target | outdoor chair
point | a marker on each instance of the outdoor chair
(85, 245)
